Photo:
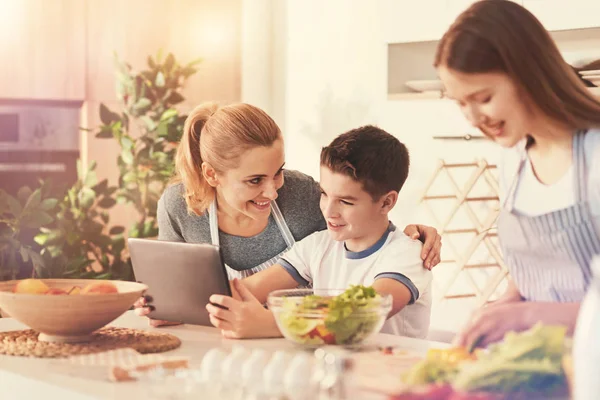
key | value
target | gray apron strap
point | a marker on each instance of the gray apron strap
(281, 224)
(283, 227)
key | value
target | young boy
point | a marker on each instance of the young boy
(362, 172)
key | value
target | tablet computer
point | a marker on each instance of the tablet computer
(181, 277)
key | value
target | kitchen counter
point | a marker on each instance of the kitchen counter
(37, 378)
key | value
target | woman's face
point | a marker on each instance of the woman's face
(252, 185)
(491, 102)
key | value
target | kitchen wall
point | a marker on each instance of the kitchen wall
(134, 29)
(62, 52)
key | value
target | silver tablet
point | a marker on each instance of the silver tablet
(181, 277)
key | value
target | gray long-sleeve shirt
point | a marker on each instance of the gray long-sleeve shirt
(299, 203)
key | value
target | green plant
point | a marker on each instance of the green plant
(27, 212)
(147, 130)
(78, 244)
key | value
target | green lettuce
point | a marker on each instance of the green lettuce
(527, 361)
(345, 316)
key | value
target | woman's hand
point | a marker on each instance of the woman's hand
(243, 318)
(143, 307)
(490, 323)
(432, 243)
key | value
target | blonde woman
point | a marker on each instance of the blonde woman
(508, 77)
(231, 192)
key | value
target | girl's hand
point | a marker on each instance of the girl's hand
(243, 318)
(432, 243)
(143, 307)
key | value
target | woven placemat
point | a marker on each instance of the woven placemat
(25, 343)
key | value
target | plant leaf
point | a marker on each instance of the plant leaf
(169, 62)
(168, 114)
(175, 98)
(160, 80)
(24, 193)
(142, 103)
(41, 238)
(24, 254)
(105, 132)
(107, 116)
(13, 205)
(149, 122)
(34, 200)
(129, 177)
(49, 204)
(194, 62)
(126, 142)
(90, 178)
(116, 230)
(188, 71)
(127, 156)
(86, 197)
(37, 219)
(151, 62)
(107, 202)
(101, 187)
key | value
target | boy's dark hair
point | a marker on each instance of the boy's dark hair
(370, 156)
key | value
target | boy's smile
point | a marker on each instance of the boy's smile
(351, 213)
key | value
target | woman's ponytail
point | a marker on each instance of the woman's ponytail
(188, 161)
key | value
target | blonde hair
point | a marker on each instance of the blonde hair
(218, 135)
(502, 36)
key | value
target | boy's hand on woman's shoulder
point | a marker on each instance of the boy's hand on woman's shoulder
(432, 243)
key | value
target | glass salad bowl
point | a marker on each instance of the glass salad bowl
(329, 317)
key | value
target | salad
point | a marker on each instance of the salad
(348, 318)
(526, 362)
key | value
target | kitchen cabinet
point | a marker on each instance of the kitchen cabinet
(565, 14)
(410, 21)
(413, 21)
(43, 49)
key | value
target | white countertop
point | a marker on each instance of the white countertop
(29, 378)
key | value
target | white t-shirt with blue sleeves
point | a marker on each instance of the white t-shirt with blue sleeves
(327, 264)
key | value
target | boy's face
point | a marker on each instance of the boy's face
(349, 210)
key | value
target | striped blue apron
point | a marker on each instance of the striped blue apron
(283, 228)
(548, 256)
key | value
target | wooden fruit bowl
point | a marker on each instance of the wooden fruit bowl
(68, 318)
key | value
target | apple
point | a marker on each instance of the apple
(31, 286)
(99, 288)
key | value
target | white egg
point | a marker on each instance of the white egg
(211, 365)
(232, 364)
(296, 380)
(274, 372)
(253, 367)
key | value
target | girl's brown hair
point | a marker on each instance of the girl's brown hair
(218, 136)
(502, 36)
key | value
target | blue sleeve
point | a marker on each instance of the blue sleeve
(414, 292)
(293, 272)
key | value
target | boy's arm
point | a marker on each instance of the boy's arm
(399, 292)
(293, 269)
(264, 282)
